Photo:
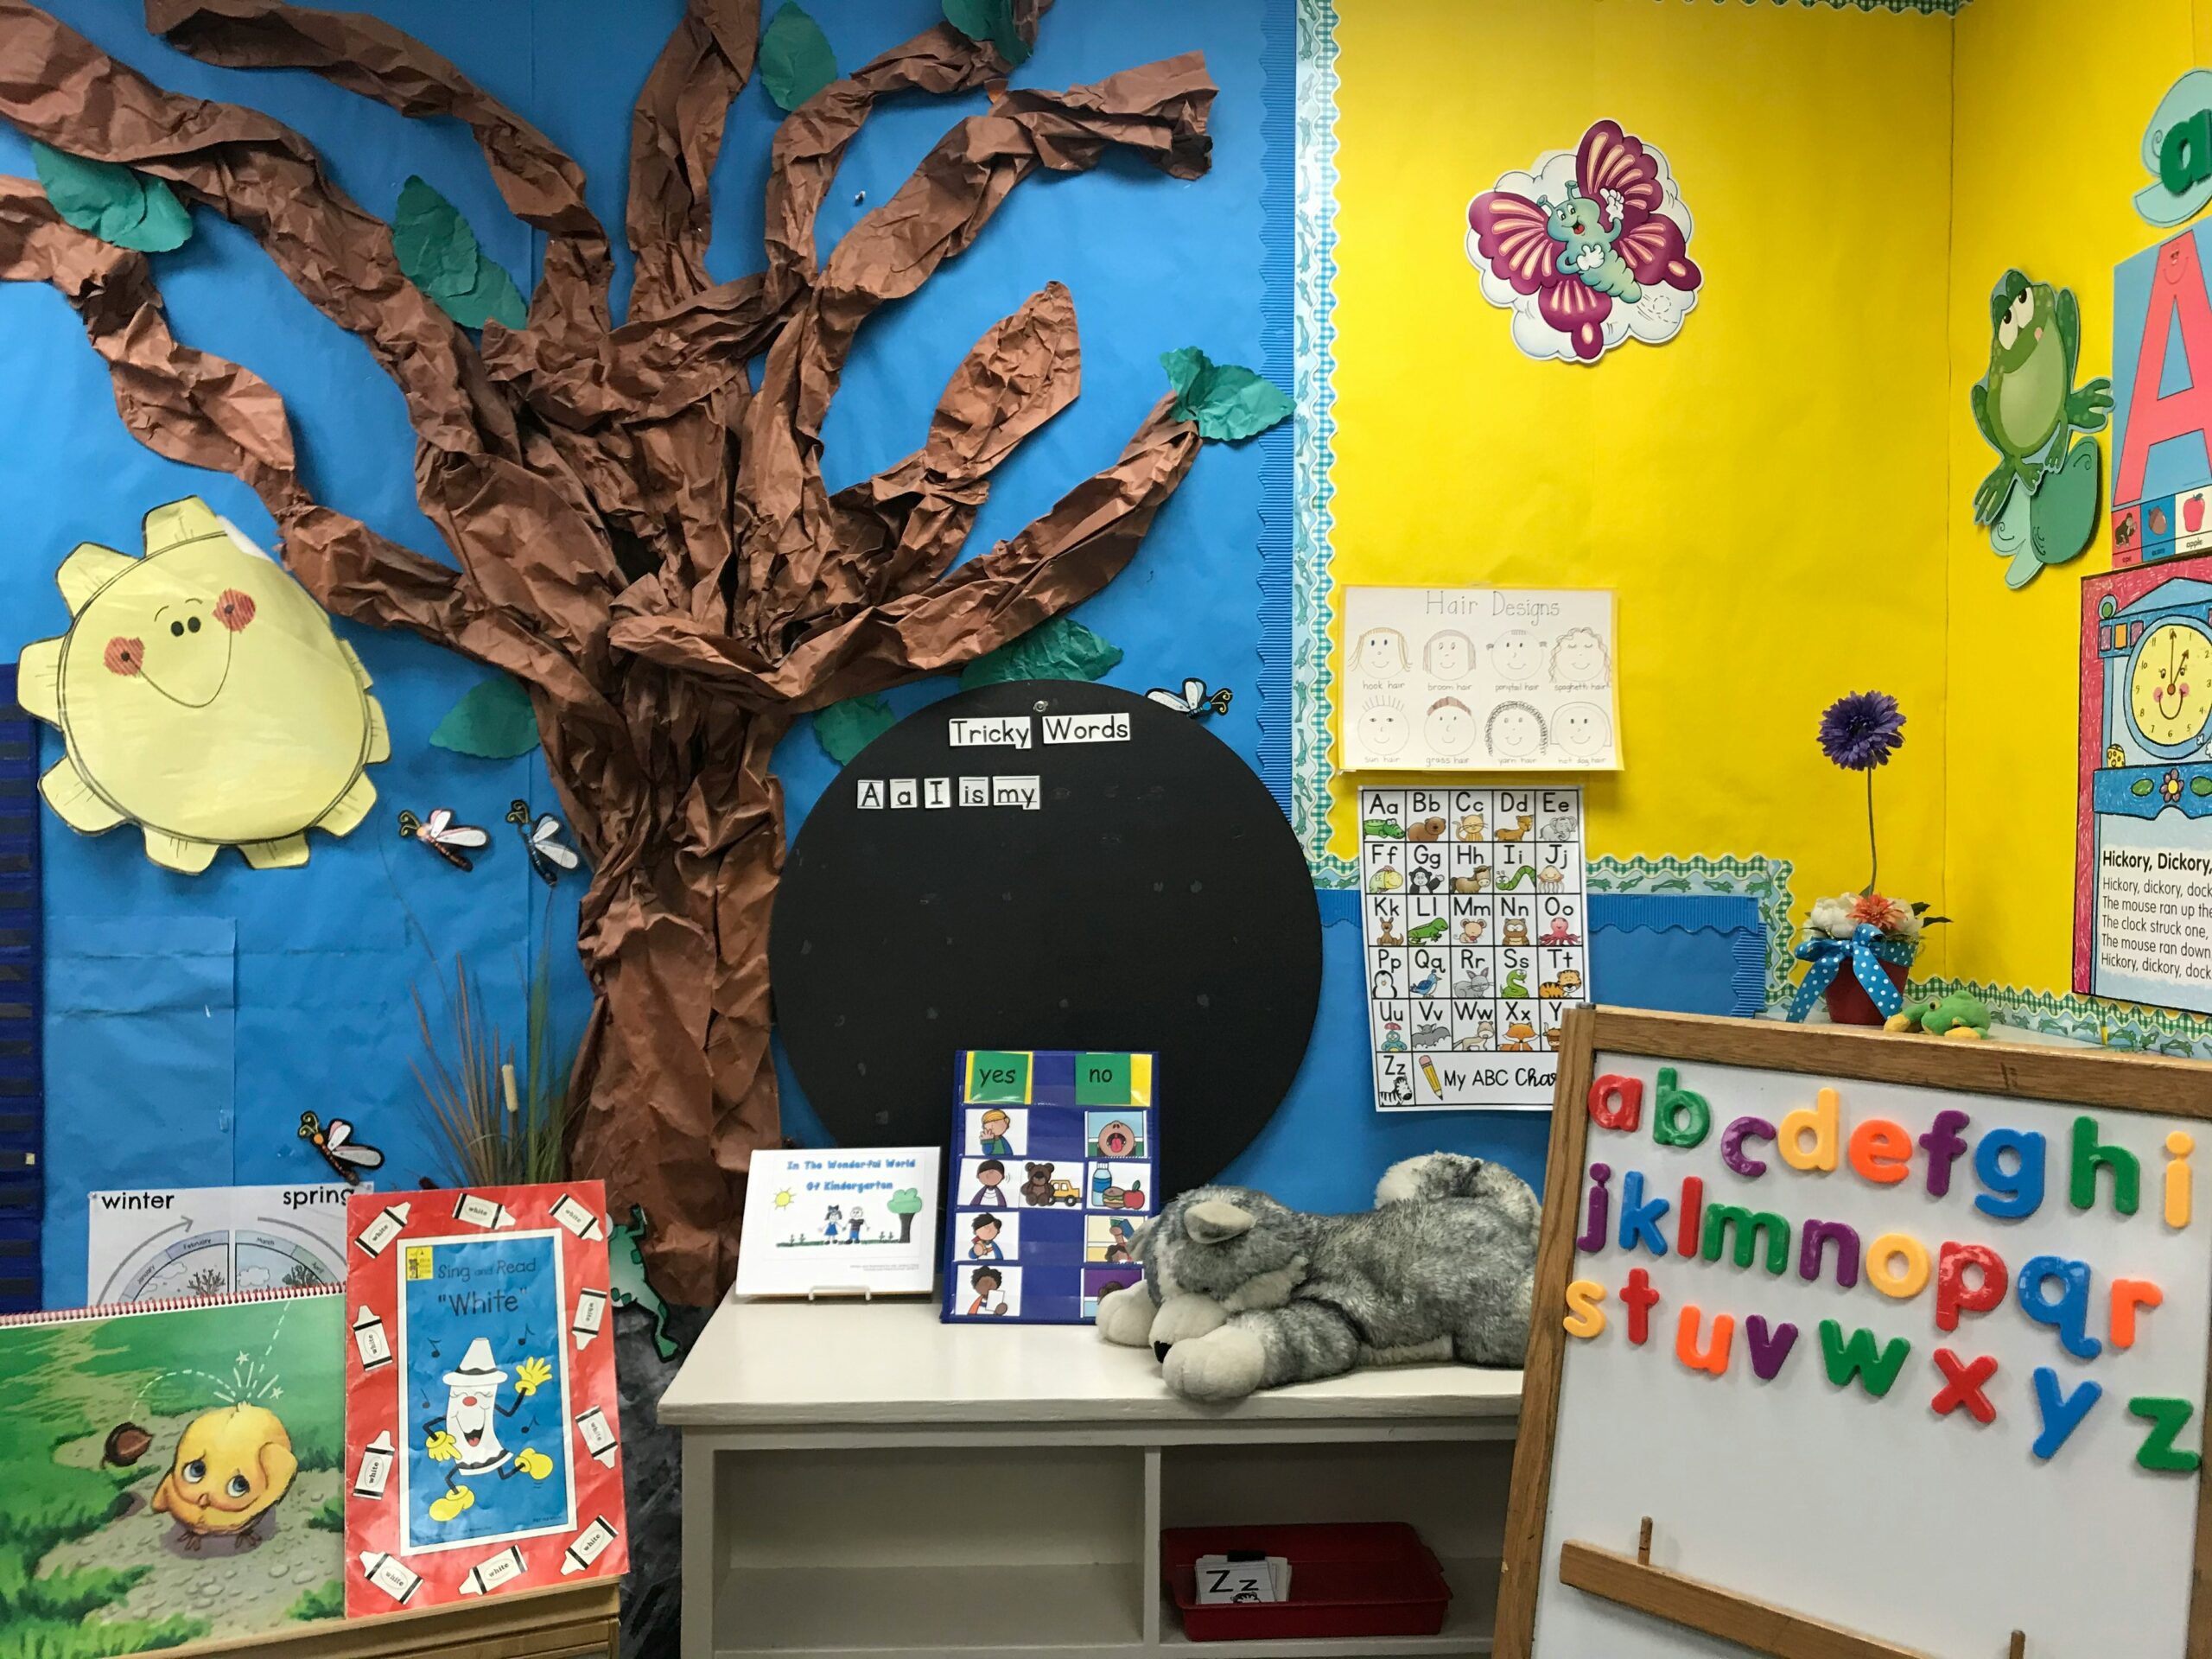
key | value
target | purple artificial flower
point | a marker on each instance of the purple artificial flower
(1862, 731)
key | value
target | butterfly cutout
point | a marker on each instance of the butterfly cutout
(443, 836)
(1604, 241)
(334, 1140)
(549, 855)
(1192, 699)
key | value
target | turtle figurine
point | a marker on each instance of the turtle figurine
(1960, 1018)
(202, 695)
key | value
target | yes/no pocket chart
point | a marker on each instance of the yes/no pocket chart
(1476, 923)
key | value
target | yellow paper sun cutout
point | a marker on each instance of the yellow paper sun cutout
(203, 696)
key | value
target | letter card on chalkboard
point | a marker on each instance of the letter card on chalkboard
(1897, 1348)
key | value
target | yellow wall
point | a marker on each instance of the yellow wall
(2051, 101)
(1767, 492)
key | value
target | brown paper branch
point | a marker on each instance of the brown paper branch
(639, 538)
(676, 133)
(543, 187)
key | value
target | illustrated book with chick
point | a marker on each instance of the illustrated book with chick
(174, 1471)
(483, 1434)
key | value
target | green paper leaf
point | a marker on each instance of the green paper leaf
(436, 249)
(1060, 649)
(1229, 403)
(843, 729)
(492, 721)
(117, 204)
(795, 61)
(439, 255)
(990, 21)
(493, 295)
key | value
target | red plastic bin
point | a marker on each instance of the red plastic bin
(1364, 1579)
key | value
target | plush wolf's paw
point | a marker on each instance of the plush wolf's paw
(1224, 1364)
(1181, 1318)
(1127, 1318)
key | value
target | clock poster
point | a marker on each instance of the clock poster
(2143, 848)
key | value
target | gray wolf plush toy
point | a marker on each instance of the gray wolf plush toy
(1241, 1293)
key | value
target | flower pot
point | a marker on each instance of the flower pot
(1849, 1003)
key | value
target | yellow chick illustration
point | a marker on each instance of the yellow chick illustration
(232, 1464)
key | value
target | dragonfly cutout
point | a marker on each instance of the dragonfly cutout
(1192, 699)
(550, 856)
(334, 1140)
(443, 836)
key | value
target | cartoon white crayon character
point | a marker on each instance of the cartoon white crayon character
(493, 1571)
(577, 1218)
(391, 1221)
(390, 1575)
(590, 1544)
(591, 1311)
(369, 1341)
(467, 1435)
(598, 1433)
(484, 1212)
(370, 1479)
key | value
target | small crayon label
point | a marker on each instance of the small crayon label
(598, 1433)
(389, 1223)
(390, 1576)
(577, 1218)
(376, 1466)
(369, 1341)
(482, 1211)
(590, 1544)
(492, 1572)
(591, 1313)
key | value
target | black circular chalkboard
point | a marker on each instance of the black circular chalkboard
(1153, 898)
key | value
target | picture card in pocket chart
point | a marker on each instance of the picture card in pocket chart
(1473, 908)
(483, 1433)
(1055, 1167)
(864, 1219)
(1479, 679)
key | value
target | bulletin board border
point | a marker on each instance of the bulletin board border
(2099, 1077)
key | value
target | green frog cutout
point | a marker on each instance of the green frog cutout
(2040, 502)
(626, 1284)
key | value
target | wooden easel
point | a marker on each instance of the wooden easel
(2090, 1078)
(569, 1621)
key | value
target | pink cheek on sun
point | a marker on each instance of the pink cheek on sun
(234, 609)
(124, 656)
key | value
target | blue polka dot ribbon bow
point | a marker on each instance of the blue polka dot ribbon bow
(1865, 950)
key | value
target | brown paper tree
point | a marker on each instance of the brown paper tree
(637, 535)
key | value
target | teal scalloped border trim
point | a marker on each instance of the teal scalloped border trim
(2112, 1025)
(1313, 304)
(1766, 880)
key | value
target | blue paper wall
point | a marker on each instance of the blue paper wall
(191, 1020)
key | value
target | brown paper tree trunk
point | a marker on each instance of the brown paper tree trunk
(638, 535)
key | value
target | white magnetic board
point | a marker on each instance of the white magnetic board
(1936, 1533)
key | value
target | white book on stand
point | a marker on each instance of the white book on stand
(835, 1221)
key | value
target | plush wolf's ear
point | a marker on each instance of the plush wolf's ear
(1217, 1221)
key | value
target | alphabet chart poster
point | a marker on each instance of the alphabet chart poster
(1477, 929)
(1055, 1165)
(1903, 1336)
(1479, 679)
(483, 1429)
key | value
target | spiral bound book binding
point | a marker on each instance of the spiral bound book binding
(168, 1304)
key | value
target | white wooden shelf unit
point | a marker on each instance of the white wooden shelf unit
(860, 1479)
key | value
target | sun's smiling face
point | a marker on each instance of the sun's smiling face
(168, 633)
(2170, 692)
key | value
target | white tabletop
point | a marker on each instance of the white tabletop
(762, 1364)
